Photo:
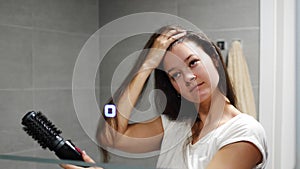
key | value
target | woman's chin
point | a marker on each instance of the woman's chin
(199, 98)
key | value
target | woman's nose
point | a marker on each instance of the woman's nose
(189, 78)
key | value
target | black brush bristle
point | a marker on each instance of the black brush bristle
(41, 129)
(48, 136)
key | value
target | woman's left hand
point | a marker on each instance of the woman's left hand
(86, 158)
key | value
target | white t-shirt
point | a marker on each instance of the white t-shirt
(178, 152)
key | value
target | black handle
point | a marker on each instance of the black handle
(68, 151)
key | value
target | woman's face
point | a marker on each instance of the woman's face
(191, 71)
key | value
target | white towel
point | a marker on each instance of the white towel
(239, 75)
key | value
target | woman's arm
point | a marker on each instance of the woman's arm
(118, 133)
(240, 155)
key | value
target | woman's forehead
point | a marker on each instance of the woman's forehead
(181, 51)
(176, 56)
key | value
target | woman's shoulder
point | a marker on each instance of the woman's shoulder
(243, 124)
(246, 121)
(244, 127)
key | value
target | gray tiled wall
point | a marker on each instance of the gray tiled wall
(111, 10)
(39, 44)
(40, 41)
(16, 57)
(59, 52)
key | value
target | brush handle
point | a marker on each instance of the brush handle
(48, 136)
(69, 151)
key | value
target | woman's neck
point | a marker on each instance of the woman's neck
(211, 112)
(214, 103)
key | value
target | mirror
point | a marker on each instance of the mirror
(41, 40)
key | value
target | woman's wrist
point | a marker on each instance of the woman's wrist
(147, 66)
(154, 58)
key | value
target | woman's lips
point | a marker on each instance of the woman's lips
(196, 86)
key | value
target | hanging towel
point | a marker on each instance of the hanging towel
(239, 75)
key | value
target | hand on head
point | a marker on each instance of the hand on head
(161, 44)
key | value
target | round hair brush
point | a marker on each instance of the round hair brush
(48, 136)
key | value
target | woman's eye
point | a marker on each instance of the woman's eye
(175, 75)
(193, 63)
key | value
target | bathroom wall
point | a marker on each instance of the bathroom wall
(220, 20)
(39, 44)
(40, 41)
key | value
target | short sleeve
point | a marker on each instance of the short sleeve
(247, 129)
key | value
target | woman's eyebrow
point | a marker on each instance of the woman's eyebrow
(186, 59)
(170, 70)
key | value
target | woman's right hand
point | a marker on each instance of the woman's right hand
(86, 158)
(160, 45)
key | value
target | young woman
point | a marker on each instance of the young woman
(200, 126)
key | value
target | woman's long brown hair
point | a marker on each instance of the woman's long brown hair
(175, 104)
